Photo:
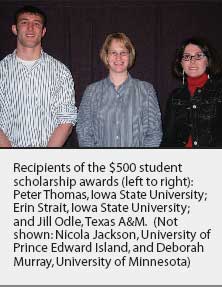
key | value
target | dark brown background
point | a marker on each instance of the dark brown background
(76, 30)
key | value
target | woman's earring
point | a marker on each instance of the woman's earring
(183, 77)
(208, 76)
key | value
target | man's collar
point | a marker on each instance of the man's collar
(41, 55)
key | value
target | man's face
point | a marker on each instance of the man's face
(29, 30)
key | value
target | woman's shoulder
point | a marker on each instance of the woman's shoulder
(179, 92)
(216, 80)
(141, 83)
(95, 85)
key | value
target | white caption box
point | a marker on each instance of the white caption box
(133, 218)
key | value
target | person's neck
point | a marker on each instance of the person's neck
(118, 78)
(28, 54)
(198, 82)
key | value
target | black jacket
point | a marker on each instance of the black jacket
(199, 115)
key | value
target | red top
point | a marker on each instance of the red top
(193, 84)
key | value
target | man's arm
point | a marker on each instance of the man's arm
(60, 135)
(4, 141)
(65, 110)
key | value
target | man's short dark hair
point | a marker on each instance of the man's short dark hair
(31, 10)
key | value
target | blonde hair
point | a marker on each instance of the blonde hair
(124, 40)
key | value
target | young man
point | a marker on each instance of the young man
(37, 104)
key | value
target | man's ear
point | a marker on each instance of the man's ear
(14, 30)
(43, 32)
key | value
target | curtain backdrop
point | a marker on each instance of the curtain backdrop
(77, 29)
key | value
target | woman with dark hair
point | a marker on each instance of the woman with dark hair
(193, 115)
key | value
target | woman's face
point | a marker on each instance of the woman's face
(194, 62)
(118, 57)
